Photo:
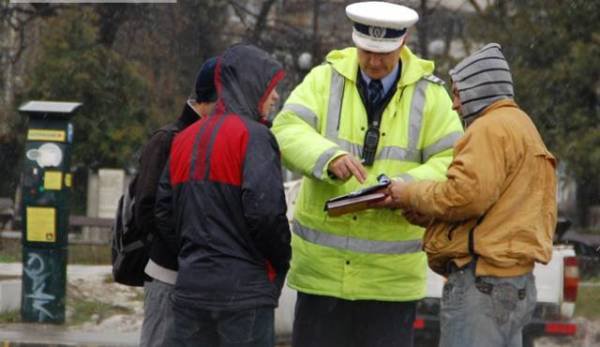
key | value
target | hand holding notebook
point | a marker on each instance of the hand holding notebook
(358, 200)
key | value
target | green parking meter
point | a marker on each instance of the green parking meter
(46, 186)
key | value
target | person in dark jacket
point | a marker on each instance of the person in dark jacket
(221, 206)
(162, 265)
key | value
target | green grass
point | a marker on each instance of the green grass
(11, 252)
(10, 317)
(588, 302)
(83, 310)
(589, 230)
(9, 258)
(89, 254)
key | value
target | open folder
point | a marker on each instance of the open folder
(358, 200)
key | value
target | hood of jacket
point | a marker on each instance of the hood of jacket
(482, 79)
(245, 76)
(345, 62)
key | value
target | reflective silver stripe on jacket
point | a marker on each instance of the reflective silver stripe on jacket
(416, 116)
(354, 244)
(322, 160)
(412, 153)
(441, 145)
(349, 147)
(303, 113)
(336, 93)
(399, 153)
(333, 118)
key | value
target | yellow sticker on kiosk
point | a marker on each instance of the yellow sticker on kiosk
(53, 180)
(46, 135)
(68, 180)
(41, 224)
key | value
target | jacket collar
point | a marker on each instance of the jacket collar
(500, 104)
(492, 107)
(345, 62)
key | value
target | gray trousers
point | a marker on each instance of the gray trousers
(158, 313)
(489, 313)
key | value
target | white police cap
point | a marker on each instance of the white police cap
(380, 26)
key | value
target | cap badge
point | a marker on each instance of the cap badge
(377, 32)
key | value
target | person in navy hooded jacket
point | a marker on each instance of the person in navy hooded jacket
(221, 207)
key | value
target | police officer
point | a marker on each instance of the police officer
(371, 109)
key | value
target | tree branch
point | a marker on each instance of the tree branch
(261, 20)
(476, 6)
(239, 10)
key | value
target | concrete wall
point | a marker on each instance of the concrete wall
(10, 295)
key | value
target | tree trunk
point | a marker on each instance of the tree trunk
(261, 20)
(7, 83)
(588, 195)
(423, 32)
(316, 49)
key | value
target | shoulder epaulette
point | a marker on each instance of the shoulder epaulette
(434, 79)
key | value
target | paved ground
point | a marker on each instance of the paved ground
(51, 335)
(86, 283)
(93, 283)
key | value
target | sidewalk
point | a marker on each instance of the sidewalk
(55, 335)
(88, 282)
(93, 284)
(73, 271)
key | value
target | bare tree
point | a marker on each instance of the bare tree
(16, 18)
(111, 17)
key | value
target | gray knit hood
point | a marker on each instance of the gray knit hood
(482, 79)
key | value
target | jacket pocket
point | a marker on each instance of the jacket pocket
(444, 242)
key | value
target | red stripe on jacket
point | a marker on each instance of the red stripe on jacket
(181, 153)
(201, 150)
(227, 156)
(229, 152)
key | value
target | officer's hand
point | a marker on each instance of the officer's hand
(346, 166)
(414, 217)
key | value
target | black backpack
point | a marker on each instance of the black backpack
(130, 246)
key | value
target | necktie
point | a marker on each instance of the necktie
(375, 92)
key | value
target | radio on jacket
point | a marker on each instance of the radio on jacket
(370, 146)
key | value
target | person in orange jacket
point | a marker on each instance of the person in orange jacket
(493, 217)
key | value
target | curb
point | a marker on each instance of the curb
(30, 335)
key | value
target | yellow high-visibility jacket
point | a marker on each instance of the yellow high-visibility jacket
(374, 254)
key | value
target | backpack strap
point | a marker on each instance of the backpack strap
(171, 129)
(137, 244)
